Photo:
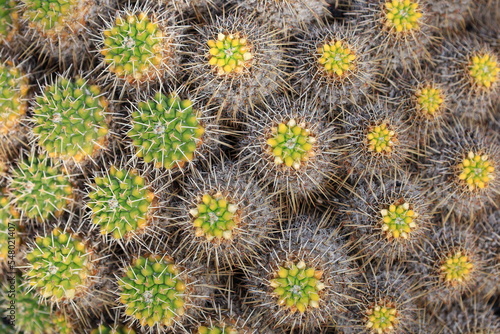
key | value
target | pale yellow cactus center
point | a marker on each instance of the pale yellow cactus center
(381, 319)
(230, 53)
(484, 70)
(476, 171)
(402, 15)
(398, 220)
(457, 268)
(336, 58)
(381, 138)
(429, 100)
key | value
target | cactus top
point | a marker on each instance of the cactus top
(70, 119)
(104, 329)
(8, 15)
(381, 138)
(153, 291)
(215, 217)
(62, 323)
(14, 87)
(402, 15)
(297, 286)
(476, 171)
(7, 226)
(135, 48)
(484, 69)
(381, 318)
(217, 330)
(429, 100)
(456, 268)
(336, 58)
(60, 266)
(398, 220)
(166, 131)
(39, 188)
(291, 144)
(120, 202)
(230, 53)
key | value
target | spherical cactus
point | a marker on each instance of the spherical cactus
(13, 101)
(169, 132)
(40, 188)
(158, 293)
(139, 47)
(105, 329)
(336, 64)
(9, 240)
(60, 266)
(70, 119)
(9, 17)
(121, 203)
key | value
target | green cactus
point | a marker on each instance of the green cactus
(61, 324)
(60, 266)
(153, 291)
(380, 138)
(403, 16)
(166, 131)
(456, 268)
(14, 86)
(8, 18)
(382, 318)
(336, 58)
(484, 69)
(104, 329)
(8, 227)
(429, 100)
(230, 53)
(476, 171)
(398, 220)
(217, 330)
(70, 119)
(120, 203)
(40, 188)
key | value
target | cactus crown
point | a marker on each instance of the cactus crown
(381, 138)
(215, 217)
(484, 69)
(456, 268)
(476, 171)
(60, 266)
(336, 58)
(40, 188)
(381, 318)
(402, 16)
(62, 324)
(14, 87)
(230, 53)
(398, 220)
(71, 119)
(134, 47)
(7, 17)
(223, 329)
(166, 131)
(429, 100)
(291, 144)
(153, 291)
(297, 286)
(120, 203)
(104, 329)
(7, 215)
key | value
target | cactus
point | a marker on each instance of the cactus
(484, 70)
(13, 100)
(104, 329)
(336, 58)
(476, 171)
(60, 266)
(40, 188)
(382, 318)
(121, 203)
(402, 15)
(398, 220)
(429, 100)
(216, 330)
(166, 131)
(456, 268)
(230, 53)
(381, 138)
(8, 19)
(62, 323)
(70, 119)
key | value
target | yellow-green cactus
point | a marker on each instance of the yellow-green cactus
(60, 266)
(153, 291)
(298, 286)
(381, 138)
(217, 330)
(398, 220)
(381, 318)
(120, 203)
(104, 329)
(230, 53)
(291, 144)
(14, 86)
(429, 100)
(8, 19)
(476, 171)
(215, 217)
(456, 268)
(70, 119)
(336, 58)
(166, 131)
(402, 16)
(484, 70)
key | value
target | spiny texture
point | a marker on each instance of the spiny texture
(216, 330)
(62, 323)
(8, 19)
(60, 266)
(40, 188)
(14, 86)
(138, 47)
(71, 119)
(229, 53)
(104, 329)
(167, 131)
(8, 228)
(121, 203)
(156, 292)
(449, 15)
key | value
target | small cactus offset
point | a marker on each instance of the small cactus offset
(104, 329)
(121, 203)
(14, 86)
(71, 119)
(40, 188)
(60, 266)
